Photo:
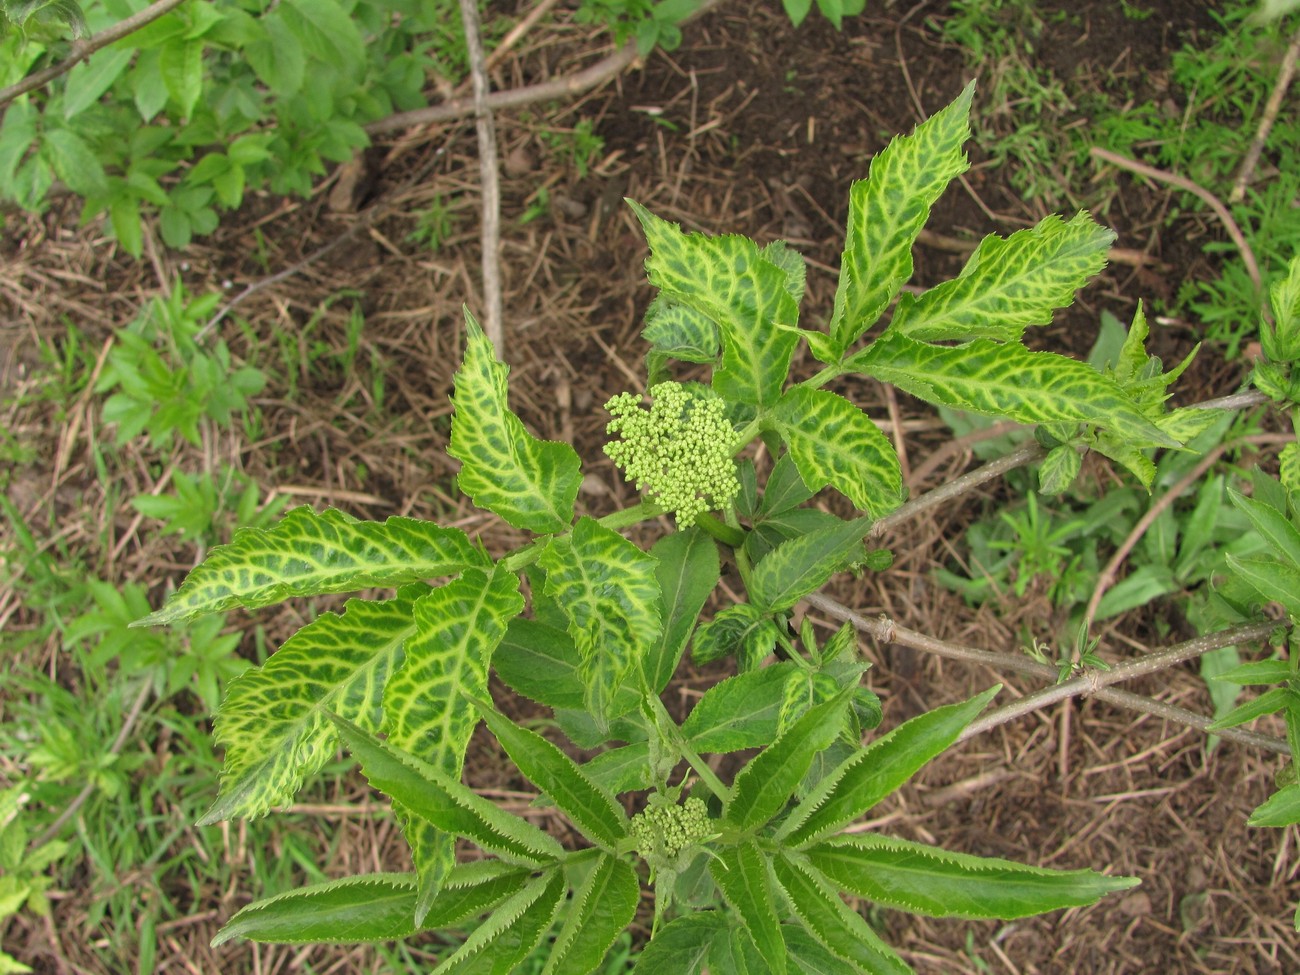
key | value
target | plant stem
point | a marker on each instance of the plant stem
(665, 723)
(726, 534)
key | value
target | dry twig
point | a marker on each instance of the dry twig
(81, 50)
(1182, 182)
(488, 177)
(1285, 72)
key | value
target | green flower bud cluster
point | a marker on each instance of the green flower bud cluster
(678, 451)
(663, 830)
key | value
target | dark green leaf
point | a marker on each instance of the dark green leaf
(1267, 703)
(1273, 580)
(602, 906)
(433, 796)
(589, 807)
(681, 946)
(1258, 672)
(802, 565)
(687, 572)
(1282, 808)
(372, 907)
(877, 770)
(741, 873)
(836, 926)
(1273, 525)
(541, 663)
(762, 788)
(939, 883)
(622, 769)
(740, 712)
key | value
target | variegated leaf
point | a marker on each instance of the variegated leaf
(307, 554)
(1007, 380)
(680, 331)
(530, 483)
(833, 442)
(1010, 283)
(728, 279)
(608, 590)
(457, 626)
(273, 722)
(426, 711)
(887, 211)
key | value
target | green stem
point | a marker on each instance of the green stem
(747, 433)
(666, 726)
(823, 377)
(525, 556)
(726, 534)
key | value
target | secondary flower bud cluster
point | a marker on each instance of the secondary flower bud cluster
(678, 451)
(663, 830)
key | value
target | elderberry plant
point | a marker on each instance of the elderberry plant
(747, 872)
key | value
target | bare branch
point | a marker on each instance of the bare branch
(81, 50)
(1093, 681)
(1285, 72)
(1182, 182)
(885, 630)
(488, 177)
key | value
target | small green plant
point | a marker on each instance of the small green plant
(164, 381)
(578, 146)
(435, 224)
(747, 874)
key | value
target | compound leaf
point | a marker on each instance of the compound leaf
(1009, 283)
(1007, 380)
(887, 211)
(589, 807)
(683, 944)
(435, 797)
(939, 883)
(608, 591)
(741, 873)
(530, 483)
(273, 723)
(833, 442)
(728, 279)
(874, 772)
(603, 904)
(307, 554)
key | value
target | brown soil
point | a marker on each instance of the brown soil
(755, 128)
